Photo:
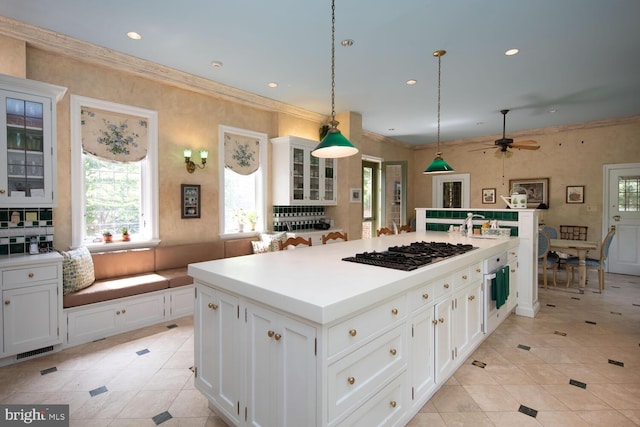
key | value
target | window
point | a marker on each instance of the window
(243, 176)
(114, 172)
(450, 191)
(629, 194)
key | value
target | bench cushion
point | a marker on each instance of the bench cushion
(105, 290)
(179, 256)
(176, 277)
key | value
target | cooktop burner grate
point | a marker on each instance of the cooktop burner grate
(410, 257)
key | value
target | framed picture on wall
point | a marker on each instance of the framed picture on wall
(537, 191)
(488, 195)
(575, 194)
(356, 195)
(190, 201)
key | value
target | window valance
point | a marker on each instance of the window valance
(113, 136)
(241, 153)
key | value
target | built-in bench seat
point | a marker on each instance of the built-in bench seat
(139, 287)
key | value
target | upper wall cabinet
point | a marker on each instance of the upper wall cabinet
(28, 176)
(300, 178)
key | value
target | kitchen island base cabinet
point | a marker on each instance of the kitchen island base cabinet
(256, 366)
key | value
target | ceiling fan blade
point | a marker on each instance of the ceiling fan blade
(527, 141)
(503, 154)
(485, 148)
(525, 147)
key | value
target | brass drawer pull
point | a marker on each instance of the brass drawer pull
(393, 351)
(472, 297)
(351, 380)
(425, 296)
(394, 311)
(446, 286)
(435, 322)
(31, 275)
(124, 311)
(277, 337)
(7, 302)
(270, 334)
(213, 306)
(353, 332)
(464, 277)
(478, 270)
(441, 320)
(118, 313)
(513, 270)
(393, 403)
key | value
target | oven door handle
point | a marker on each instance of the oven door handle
(490, 276)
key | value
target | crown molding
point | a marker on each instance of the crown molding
(61, 44)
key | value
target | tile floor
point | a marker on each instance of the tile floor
(576, 364)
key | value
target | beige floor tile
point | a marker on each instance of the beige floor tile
(616, 395)
(168, 379)
(427, 420)
(632, 415)
(462, 419)
(471, 374)
(560, 418)
(606, 418)
(133, 422)
(535, 397)
(215, 421)
(89, 423)
(492, 398)
(545, 374)
(508, 374)
(180, 359)
(131, 379)
(576, 398)
(511, 419)
(104, 406)
(148, 403)
(454, 398)
(190, 403)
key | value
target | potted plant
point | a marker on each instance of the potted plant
(106, 236)
(125, 234)
(240, 216)
(252, 217)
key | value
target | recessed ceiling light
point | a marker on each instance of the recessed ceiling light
(272, 84)
(511, 52)
(553, 110)
(392, 129)
(133, 35)
(216, 64)
(347, 42)
(411, 82)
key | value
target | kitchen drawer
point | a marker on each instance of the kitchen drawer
(443, 287)
(365, 325)
(384, 409)
(467, 275)
(28, 275)
(422, 296)
(354, 377)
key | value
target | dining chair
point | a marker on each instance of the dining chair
(547, 260)
(405, 229)
(334, 235)
(295, 241)
(551, 232)
(385, 231)
(593, 263)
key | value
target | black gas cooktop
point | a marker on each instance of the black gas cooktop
(410, 257)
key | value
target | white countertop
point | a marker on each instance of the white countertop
(315, 284)
(18, 260)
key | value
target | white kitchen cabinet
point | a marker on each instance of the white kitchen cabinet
(31, 303)
(217, 349)
(299, 178)
(422, 344)
(444, 346)
(512, 260)
(281, 366)
(28, 142)
(95, 321)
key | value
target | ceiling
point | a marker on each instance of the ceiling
(579, 60)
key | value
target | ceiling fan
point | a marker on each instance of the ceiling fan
(505, 143)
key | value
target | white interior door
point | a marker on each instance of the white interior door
(622, 209)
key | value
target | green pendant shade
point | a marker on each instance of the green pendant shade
(334, 145)
(438, 165)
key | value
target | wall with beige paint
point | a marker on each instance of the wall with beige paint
(14, 53)
(570, 155)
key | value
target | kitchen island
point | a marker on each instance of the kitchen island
(302, 338)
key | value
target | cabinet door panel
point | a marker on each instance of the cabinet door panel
(89, 325)
(141, 312)
(30, 318)
(443, 340)
(474, 316)
(422, 344)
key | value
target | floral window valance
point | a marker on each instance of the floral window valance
(113, 136)
(241, 153)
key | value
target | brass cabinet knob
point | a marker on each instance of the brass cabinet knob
(31, 275)
(118, 313)
(394, 311)
(7, 302)
(353, 332)
(425, 296)
(441, 320)
(351, 380)
(472, 297)
(270, 334)
(435, 322)
(213, 306)
(446, 286)
(393, 351)
(2, 191)
(513, 270)
(124, 311)
(277, 337)
(393, 403)
(478, 270)
(464, 277)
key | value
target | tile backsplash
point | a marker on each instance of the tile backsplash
(292, 218)
(18, 225)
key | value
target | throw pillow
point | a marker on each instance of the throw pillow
(259, 247)
(273, 240)
(77, 270)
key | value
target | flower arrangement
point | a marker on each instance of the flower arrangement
(125, 234)
(107, 236)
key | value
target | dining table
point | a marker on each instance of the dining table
(578, 248)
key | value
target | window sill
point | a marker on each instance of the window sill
(239, 235)
(120, 245)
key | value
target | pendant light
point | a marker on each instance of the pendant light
(334, 144)
(438, 165)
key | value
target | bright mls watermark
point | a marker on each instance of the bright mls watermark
(34, 415)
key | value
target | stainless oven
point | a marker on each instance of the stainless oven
(495, 290)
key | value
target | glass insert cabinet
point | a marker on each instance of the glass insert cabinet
(28, 142)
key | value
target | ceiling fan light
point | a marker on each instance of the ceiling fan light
(334, 145)
(438, 165)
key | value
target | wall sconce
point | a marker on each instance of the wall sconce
(192, 166)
